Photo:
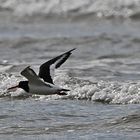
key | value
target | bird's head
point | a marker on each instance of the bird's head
(21, 84)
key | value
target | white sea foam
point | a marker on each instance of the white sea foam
(107, 8)
(100, 91)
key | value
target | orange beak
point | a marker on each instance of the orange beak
(12, 88)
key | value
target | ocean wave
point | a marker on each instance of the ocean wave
(99, 8)
(113, 92)
(99, 91)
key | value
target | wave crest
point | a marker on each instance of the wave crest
(100, 8)
(101, 91)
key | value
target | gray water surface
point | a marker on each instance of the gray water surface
(102, 73)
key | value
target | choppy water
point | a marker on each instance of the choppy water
(103, 73)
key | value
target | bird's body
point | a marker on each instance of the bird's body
(42, 84)
(45, 89)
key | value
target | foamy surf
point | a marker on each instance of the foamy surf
(102, 91)
(112, 92)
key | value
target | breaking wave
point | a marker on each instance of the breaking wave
(99, 8)
(100, 91)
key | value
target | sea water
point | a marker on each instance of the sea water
(103, 73)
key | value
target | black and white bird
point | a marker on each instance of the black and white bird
(42, 83)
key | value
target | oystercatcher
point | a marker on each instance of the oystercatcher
(42, 83)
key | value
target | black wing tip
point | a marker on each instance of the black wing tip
(69, 52)
(72, 50)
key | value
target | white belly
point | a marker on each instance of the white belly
(42, 90)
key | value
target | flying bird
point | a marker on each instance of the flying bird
(42, 83)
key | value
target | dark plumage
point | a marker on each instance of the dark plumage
(24, 85)
(46, 87)
(44, 71)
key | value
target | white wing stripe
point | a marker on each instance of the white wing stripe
(52, 67)
(59, 60)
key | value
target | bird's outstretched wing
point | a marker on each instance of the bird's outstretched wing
(46, 70)
(31, 76)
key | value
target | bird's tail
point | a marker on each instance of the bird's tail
(63, 91)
